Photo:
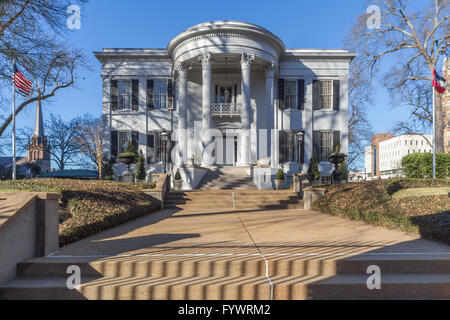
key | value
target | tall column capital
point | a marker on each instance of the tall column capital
(206, 60)
(247, 60)
(182, 69)
(270, 70)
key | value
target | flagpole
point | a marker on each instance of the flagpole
(434, 131)
(14, 125)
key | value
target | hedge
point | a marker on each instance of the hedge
(89, 207)
(373, 203)
(420, 165)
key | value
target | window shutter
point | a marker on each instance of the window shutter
(316, 95)
(301, 94)
(114, 143)
(135, 140)
(150, 96)
(157, 147)
(150, 148)
(336, 94)
(282, 146)
(316, 144)
(114, 95)
(135, 94)
(336, 139)
(170, 94)
(281, 93)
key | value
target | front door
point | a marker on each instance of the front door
(226, 149)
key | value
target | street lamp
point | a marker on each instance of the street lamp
(164, 138)
(300, 139)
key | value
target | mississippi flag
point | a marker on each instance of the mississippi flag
(438, 82)
(22, 84)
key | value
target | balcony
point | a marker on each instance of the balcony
(225, 110)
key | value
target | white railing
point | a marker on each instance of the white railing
(226, 109)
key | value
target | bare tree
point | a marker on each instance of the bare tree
(62, 139)
(31, 32)
(416, 40)
(90, 140)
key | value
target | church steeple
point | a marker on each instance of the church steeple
(39, 124)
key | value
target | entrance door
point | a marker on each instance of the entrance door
(226, 149)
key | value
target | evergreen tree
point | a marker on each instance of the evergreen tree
(313, 169)
(140, 167)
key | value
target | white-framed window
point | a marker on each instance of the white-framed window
(124, 137)
(160, 94)
(125, 94)
(290, 94)
(326, 94)
(326, 145)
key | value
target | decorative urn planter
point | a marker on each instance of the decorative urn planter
(177, 184)
(128, 159)
(279, 184)
(337, 159)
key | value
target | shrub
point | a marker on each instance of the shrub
(343, 169)
(420, 165)
(108, 169)
(313, 168)
(140, 167)
(279, 175)
(89, 207)
(373, 203)
(177, 175)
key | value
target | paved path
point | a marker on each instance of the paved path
(267, 233)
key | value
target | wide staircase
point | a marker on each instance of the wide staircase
(226, 178)
(212, 277)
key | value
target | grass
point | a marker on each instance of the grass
(89, 207)
(421, 192)
(411, 205)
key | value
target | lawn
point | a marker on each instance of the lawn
(411, 205)
(89, 207)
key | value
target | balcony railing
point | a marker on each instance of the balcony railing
(226, 109)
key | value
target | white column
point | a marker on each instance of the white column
(206, 60)
(182, 114)
(246, 64)
(308, 124)
(106, 113)
(270, 82)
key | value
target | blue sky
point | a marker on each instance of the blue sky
(152, 24)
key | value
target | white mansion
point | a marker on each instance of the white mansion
(226, 93)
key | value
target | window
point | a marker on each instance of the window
(290, 94)
(287, 146)
(155, 148)
(124, 94)
(374, 161)
(326, 94)
(160, 94)
(124, 136)
(326, 145)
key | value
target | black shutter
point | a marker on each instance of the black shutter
(281, 93)
(170, 86)
(336, 139)
(150, 96)
(282, 146)
(114, 143)
(150, 148)
(316, 95)
(336, 94)
(316, 144)
(135, 94)
(114, 95)
(135, 140)
(301, 94)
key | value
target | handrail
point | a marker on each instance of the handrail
(226, 109)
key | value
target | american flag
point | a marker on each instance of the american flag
(22, 84)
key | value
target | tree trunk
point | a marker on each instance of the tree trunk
(439, 123)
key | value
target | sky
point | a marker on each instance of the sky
(152, 24)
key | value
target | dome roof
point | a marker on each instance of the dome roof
(226, 26)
